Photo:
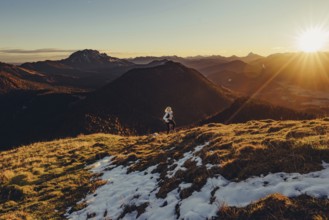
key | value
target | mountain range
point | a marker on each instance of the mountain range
(84, 69)
(251, 142)
(92, 92)
(135, 102)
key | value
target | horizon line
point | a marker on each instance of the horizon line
(39, 52)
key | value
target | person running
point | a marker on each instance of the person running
(169, 119)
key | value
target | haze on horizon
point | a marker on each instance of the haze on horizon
(152, 27)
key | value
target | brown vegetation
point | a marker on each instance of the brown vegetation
(42, 180)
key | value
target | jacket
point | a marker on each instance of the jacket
(168, 116)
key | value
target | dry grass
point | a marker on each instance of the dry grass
(42, 180)
(279, 207)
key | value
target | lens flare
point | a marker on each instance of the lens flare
(313, 39)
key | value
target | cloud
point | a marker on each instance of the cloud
(45, 50)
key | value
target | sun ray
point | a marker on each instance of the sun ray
(260, 89)
(323, 74)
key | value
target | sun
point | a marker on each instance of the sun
(312, 39)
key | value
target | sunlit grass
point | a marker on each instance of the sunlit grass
(42, 180)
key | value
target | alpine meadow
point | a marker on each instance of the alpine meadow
(164, 110)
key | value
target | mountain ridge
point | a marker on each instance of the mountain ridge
(14, 78)
(141, 95)
(87, 69)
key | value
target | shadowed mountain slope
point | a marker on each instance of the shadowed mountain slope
(244, 109)
(30, 104)
(29, 116)
(16, 78)
(136, 101)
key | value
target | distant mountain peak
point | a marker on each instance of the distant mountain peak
(87, 56)
(251, 54)
(158, 62)
(234, 57)
(93, 57)
(170, 62)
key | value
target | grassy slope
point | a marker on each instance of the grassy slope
(42, 180)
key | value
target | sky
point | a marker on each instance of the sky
(52, 29)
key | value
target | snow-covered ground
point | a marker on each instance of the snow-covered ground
(138, 188)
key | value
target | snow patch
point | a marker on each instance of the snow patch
(289, 184)
(187, 156)
(209, 166)
(140, 187)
